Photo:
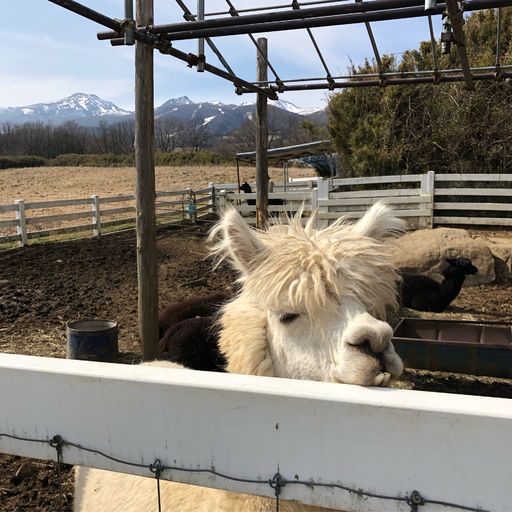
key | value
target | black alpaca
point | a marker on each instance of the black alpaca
(425, 294)
(245, 187)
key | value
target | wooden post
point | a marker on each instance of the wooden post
(145, 188)
(261, 140)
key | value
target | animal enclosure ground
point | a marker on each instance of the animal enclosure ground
(44, 286)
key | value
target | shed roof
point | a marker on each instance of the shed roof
(278, 155)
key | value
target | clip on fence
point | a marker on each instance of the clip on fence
(57, 442)
(277, 483)
(156, 468)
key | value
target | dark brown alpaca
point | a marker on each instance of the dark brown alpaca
(188, 333)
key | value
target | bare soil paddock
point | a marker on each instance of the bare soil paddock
(44, 286)
(49, 183)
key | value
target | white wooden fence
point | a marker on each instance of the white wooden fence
(348, 447)
(101, 216)
(424, 200)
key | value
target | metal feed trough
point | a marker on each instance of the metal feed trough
(477, 348)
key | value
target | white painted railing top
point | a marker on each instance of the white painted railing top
(374, 180)
(450, 448)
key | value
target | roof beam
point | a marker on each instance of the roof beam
(377, 10)
(161, 45)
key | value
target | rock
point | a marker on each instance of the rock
(424, 250)
(501, 249)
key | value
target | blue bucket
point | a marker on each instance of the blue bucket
(93, 340)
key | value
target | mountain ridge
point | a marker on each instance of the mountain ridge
(90, 110)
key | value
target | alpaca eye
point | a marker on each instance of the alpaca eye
(287, 318)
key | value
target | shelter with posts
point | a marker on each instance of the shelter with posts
(282, 155)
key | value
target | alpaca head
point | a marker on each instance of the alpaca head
(313, 302)
(459, 266)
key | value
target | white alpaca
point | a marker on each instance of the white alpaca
(312, 305)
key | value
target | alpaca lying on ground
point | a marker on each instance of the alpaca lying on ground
(199, 306)
(312, 305)
(193, 342)
(425, 294)
(189, 332)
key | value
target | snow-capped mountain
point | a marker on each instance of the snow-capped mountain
(90, 110)
(290, 107)
(80, 107)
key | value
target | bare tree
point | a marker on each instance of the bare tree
(167, 134)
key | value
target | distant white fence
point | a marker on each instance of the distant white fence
(424, 200)
(101, 214)
(333, 445)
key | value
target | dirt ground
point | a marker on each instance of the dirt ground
(44, 286)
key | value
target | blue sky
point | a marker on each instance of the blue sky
(48, 53)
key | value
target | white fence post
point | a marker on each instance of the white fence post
(427, 189)
(96, 219)
(221, 201)
(21, 228)
(322, 194)
(211, 202)
(314, 200)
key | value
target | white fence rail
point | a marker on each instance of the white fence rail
(354, 443)
(424, 200)
(101, 213)
(421, 199)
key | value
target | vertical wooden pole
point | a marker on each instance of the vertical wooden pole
(145, 189)
(261, 140)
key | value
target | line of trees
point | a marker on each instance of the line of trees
(50, 141)
(445, 128)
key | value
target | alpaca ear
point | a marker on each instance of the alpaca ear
(239, 242)
(379, 222)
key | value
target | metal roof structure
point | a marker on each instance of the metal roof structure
(283, 15)
(285, 153)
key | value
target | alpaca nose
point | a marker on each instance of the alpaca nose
(366, 329)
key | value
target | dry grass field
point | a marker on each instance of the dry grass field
(47, 183)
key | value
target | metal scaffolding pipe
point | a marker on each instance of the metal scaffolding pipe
(200, 41)
(187, 14)
(86, 12)
(129, 31)
(234, 13)
(369, 15)
(392, 81)
(140, 35)
(288, 15)
(456, 16)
